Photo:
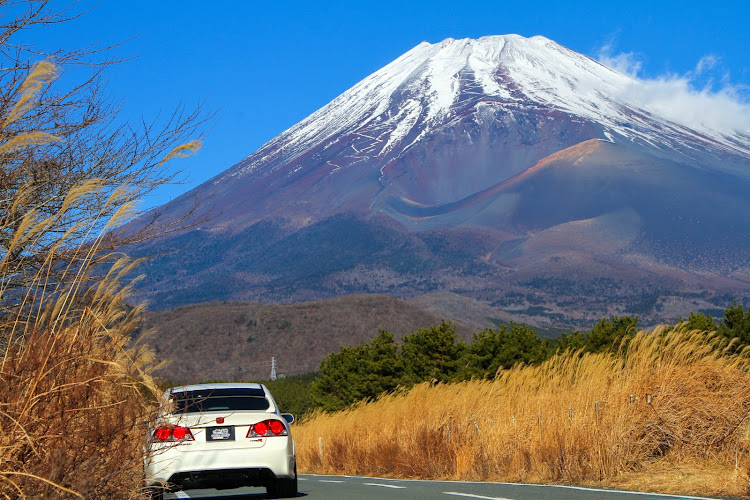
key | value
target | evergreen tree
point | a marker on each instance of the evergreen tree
(433, 354)
(606, 334)
(736, 324)
(293, 394)
(491, 350)
(574, 341)
(358, 372)
(701, 321)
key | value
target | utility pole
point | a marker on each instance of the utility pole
(273, 368)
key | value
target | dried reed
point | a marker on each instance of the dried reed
(670, 414)
(74, 388)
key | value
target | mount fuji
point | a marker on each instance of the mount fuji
(508, 169)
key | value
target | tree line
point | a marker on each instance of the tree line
(383, 365)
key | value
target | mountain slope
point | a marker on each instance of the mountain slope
(469, 166)
(236, 340)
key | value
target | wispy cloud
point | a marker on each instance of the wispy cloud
(706, 63)
(702, 98)
(624, 62)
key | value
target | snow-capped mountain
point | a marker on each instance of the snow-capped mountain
(488, 109)
(519, 149)
(396, 107)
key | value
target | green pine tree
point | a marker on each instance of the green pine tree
(505, 347)
(433, 354)
(701, 321)
(606, 335)
(358, 372)
(736, 324)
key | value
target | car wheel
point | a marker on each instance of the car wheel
(283, 488)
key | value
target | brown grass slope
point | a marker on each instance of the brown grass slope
(475, 313)
(669, 416)
(236, 340)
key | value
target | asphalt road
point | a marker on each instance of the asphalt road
(359, 488)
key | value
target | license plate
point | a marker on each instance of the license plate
(220, 433)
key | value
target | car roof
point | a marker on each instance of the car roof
(230, 385)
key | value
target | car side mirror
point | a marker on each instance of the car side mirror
(288, 417)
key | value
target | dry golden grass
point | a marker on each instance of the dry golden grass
(574, 420)
(72, 403)
(74, 391)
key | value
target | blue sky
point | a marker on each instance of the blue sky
(264, 66)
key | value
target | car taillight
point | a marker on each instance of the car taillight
(172, 434)
(261, 428)
(276, 427)
(162, 433)
(270, 427)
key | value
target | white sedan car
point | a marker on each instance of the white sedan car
(221, 436)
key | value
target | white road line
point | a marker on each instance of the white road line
(181, 494)
(328, 481)
(386, 485)
(456, 493)
(581, 488)
(598, 490)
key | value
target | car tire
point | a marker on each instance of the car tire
(283, 488)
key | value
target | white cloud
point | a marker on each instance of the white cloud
(625, 62)
(703, 98)
(706, 63)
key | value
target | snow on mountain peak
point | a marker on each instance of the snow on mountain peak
(424, 87)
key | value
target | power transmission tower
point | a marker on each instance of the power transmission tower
(273, 368)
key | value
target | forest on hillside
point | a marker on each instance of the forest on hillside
(383, 365)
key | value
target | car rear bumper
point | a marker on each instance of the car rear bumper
(221, 478)
(192, 466)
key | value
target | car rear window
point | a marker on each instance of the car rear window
(220, 400)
